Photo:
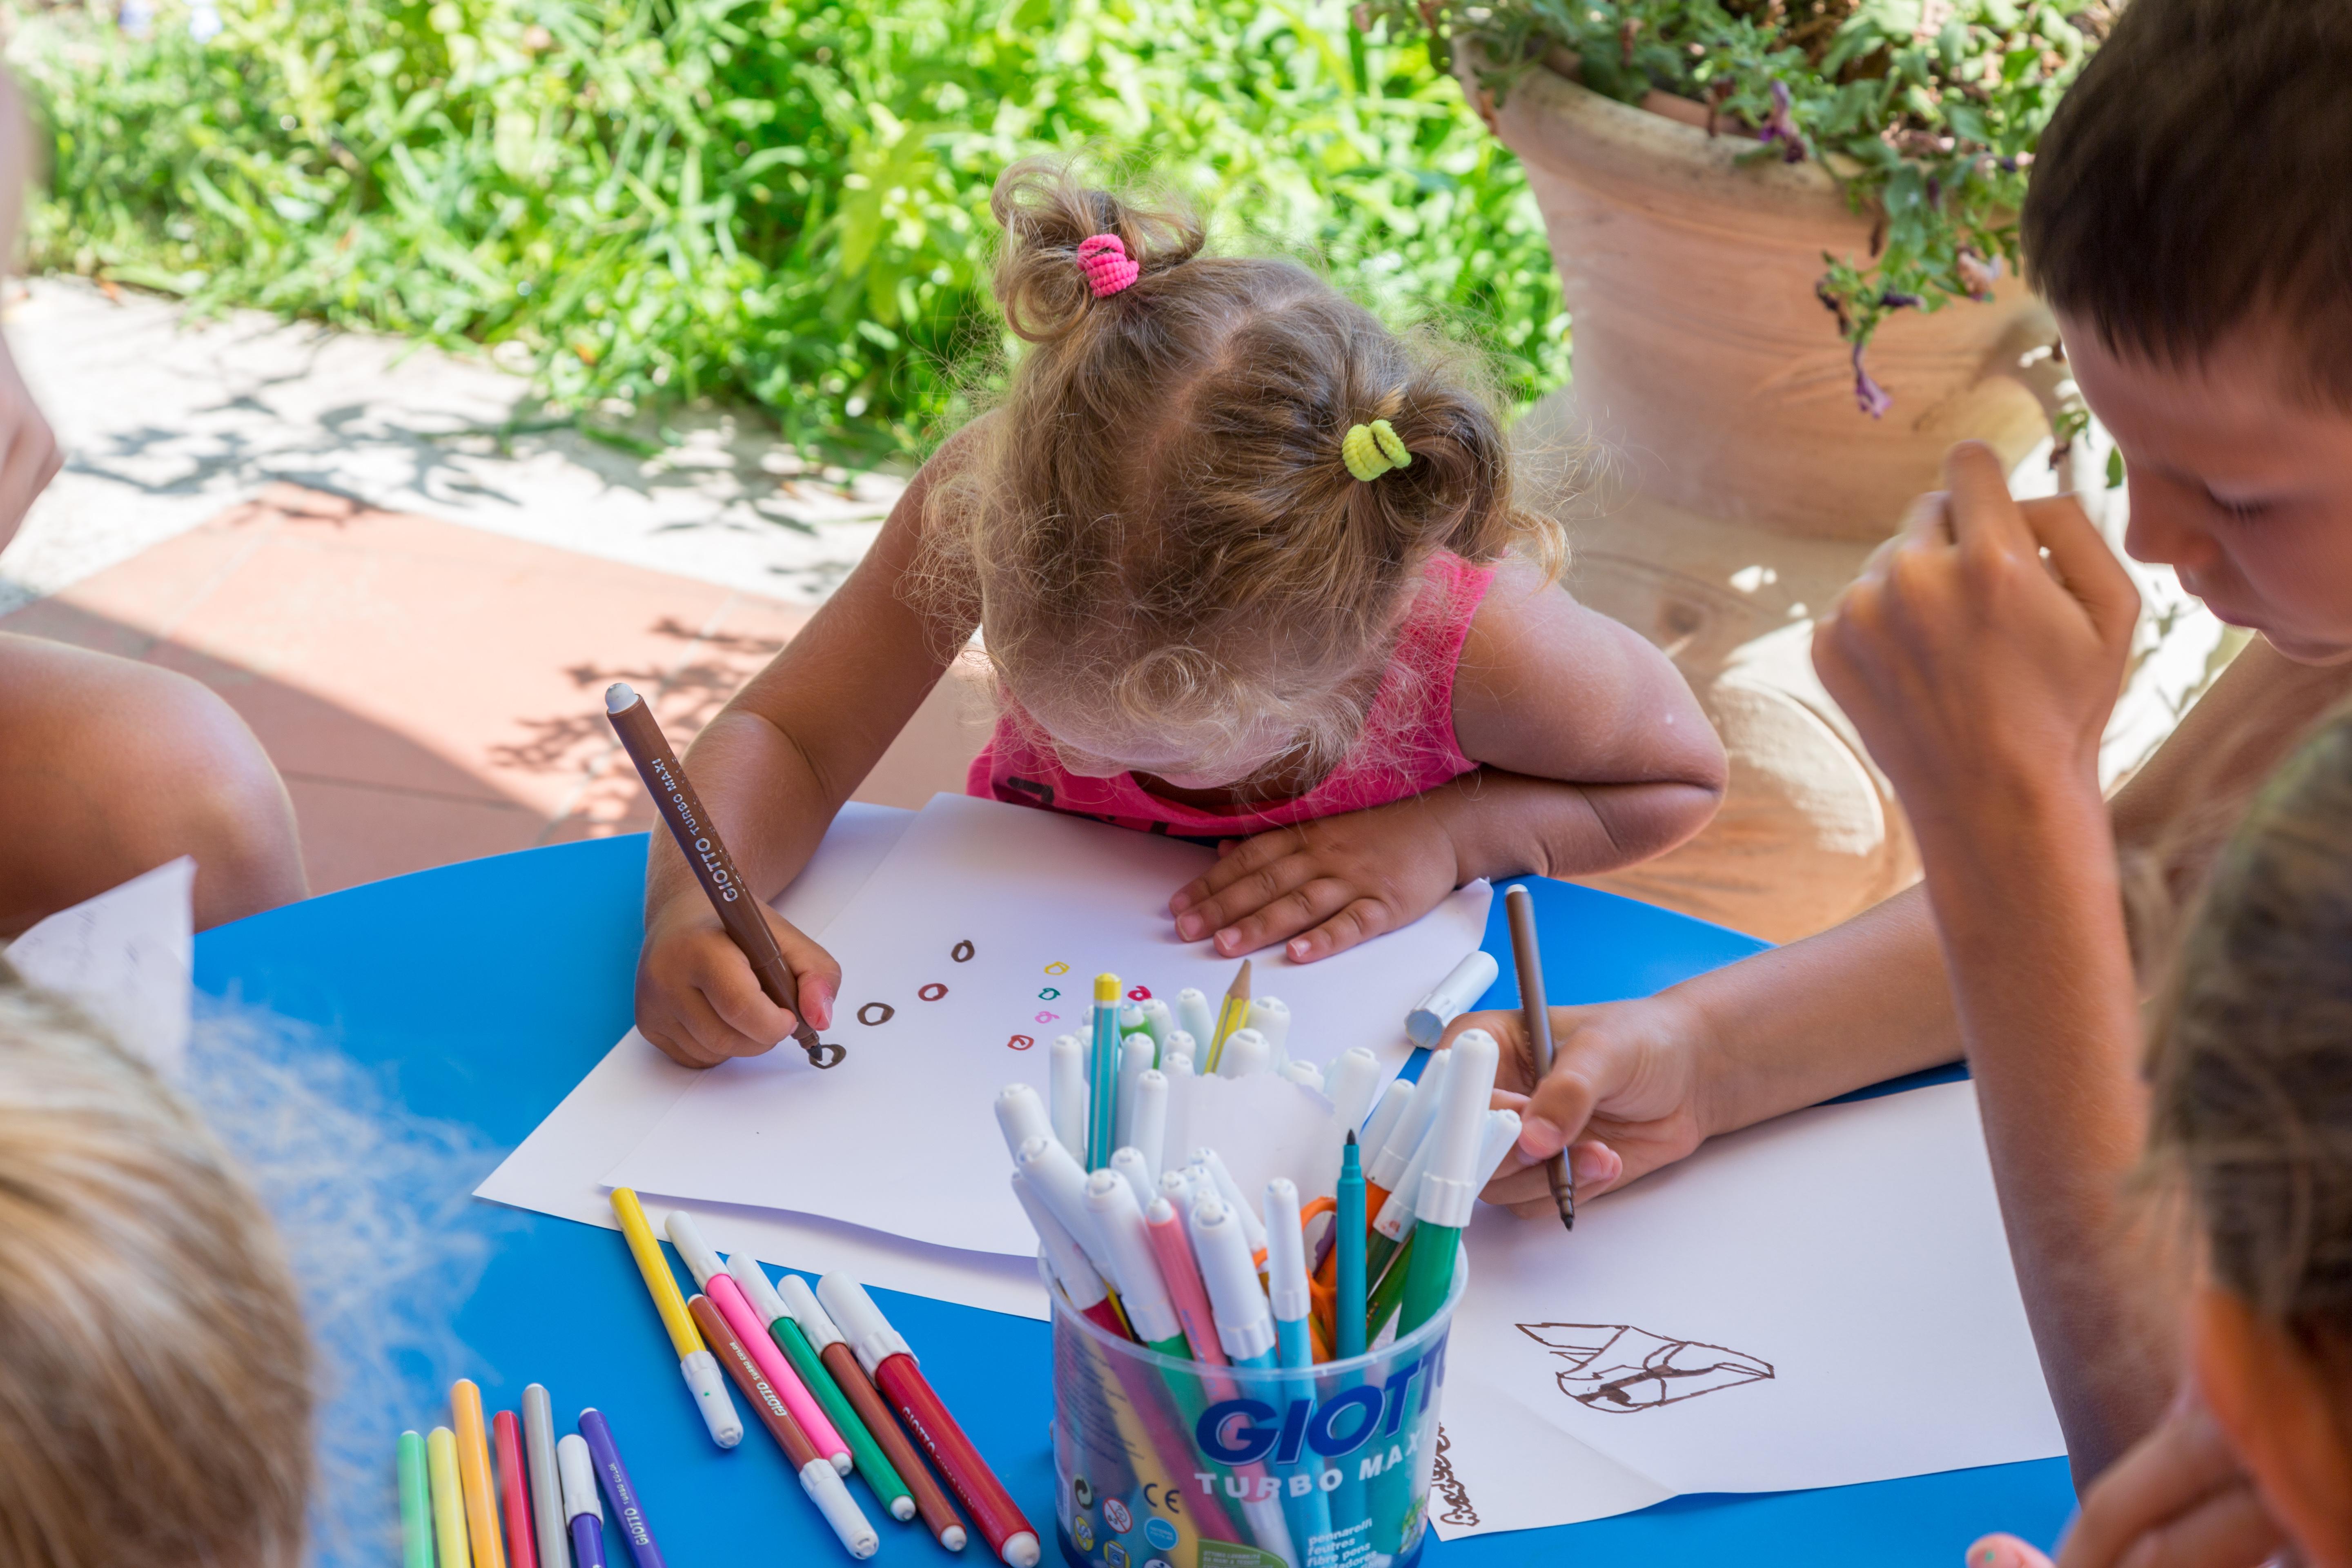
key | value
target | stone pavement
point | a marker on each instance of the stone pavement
(418, 624)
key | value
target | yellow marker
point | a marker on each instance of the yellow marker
(474, 1475)
(448, 1501)
(695, 1362)
(1234, 1014)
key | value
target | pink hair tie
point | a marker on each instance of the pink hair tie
(1109, 269)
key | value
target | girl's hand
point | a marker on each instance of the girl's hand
(1321, 887)
(1974, 668)
(1625, 1097)
(698, 1000)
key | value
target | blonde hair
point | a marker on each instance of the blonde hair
(155, 1394)
(1160, 523)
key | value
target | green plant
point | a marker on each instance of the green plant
(783, 202)
(1926, 111)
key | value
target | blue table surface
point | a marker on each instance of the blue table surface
(481, 992)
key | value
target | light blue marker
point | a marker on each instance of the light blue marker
(1293, 1305)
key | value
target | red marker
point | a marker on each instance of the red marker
(886, 1358)
(506, 1438)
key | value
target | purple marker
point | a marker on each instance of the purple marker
(577, 1469)
(614, 1477)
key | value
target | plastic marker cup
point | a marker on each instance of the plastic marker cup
(696, 1364)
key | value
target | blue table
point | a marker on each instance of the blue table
(481, 992)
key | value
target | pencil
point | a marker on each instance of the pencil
(1234, 1014)
(714, 867)
(1520, 905)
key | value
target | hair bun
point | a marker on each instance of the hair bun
(1047, 281)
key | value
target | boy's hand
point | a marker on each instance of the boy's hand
(698, 998)
(1321, 887)
(2179, 1498)
(1624, 1097)
(1974, 667)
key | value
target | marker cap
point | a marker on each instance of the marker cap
(1245, 1325)
(1247, 1051)
(1306, 1075)
(709, 1385)
(1352, 1083)
(1080, 1280)
(1502, 1131)
(1387, 1167)
(1270, 1016)
(757, 1288)
(823, 1484)
(1285, 1254)
(1230, 1192)
(869, 1334)
(1106, 989)
(696, 1253)
(1065, 1061)
(1449, 1189)
(1129, 1164)
(1176, 1062)
(1158, 1020)
(1394, 1101)
(1053, 1174)
(1142, 1289)
(816, 1322)
(1150, 1130)
(1021, 1116)
(1193, 1015)
(1425, 1024)
(577, 1468)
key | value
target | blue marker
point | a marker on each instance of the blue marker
(577, 1468)
(1102, 1077)
(1293, 1306)
(614, 1477)
(1245, 1325)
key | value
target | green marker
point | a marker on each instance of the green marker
(1449, 1189)
(415, 1504)
(784, 1312)
(1389, 1294)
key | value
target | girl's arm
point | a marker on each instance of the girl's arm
(1981, 678)
(1592, 753)
(773, 768)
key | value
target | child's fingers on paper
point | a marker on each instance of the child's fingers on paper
(1306, 902)
(1231, 904)
(816, 974)
(1203, 898)
(1360, 921)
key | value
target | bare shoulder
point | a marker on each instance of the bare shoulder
(1530, 636)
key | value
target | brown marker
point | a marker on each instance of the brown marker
(931, 1500)
(698, 841)
(1520, 905)
(818, 1478)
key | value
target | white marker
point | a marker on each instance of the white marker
(1245, 1325)
(1054, 1176)
(1177, 1055)
(1384, 1169)
(1071, 1267)
(1150, 1129)
(1142, 1292)
(1425, 1024)
(1393, 1101)
(1502, 1131)
(1306, 1075)
(1352, 1083)
(577, 1468)
(1287, 1292)
(1449, 1188)
(1247, 1051)
(1021, 1116)
(799, 1303)
(1128, 1165)
(1193, 1015)
(692, 1250)
(1270, 1016)
(850, 1526)
(1160, 1019)
(1135, 1057)
(1230, 1192)
(1065, 1084)
(1184, 1186)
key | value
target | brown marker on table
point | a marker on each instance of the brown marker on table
(1520, 905)
(698, 839)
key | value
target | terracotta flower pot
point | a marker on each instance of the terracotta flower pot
(1706, 366)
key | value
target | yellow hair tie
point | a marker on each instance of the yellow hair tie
(1372, 450)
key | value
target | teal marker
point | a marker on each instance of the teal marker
(1102, 1076)
(1348, 1246)
(415, 1504)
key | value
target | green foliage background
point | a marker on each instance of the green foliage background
(782, 200)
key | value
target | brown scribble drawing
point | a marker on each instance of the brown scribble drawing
(1449, 1488)
(1619, 1368)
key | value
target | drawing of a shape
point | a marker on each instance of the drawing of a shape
(1621, 1369)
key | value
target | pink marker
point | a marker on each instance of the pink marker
(1185, 1291)
(727, 1295)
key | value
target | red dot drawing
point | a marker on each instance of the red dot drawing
(1019, 1043)
(932, 992)
(962, 953)
(1047, 1018)
(1140, 994)
(881, 1013)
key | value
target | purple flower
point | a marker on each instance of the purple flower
(1868, 395)
(1779, 127)
(1894, 300)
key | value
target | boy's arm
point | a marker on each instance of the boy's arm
(1592, 753)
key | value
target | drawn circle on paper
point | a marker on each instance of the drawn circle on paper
(1047, 1018)
(1050, 993)
(875, 1013)
(1058, 969)
(1019, 1042)
(1140, 994)
(961, 952)
(825, 1054)
(932, 992)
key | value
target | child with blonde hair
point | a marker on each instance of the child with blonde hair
(1248, 568)
(155, 1398)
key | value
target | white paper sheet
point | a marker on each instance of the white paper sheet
(973, 944)
(126, 957)
(557, 1170)
(1831, 1290)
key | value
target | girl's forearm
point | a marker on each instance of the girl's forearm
(768, 802)
(1504, 823)
(2030, 913)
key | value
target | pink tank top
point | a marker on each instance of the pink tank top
(1407, 746)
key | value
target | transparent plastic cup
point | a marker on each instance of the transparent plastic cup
(1166, 1463)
